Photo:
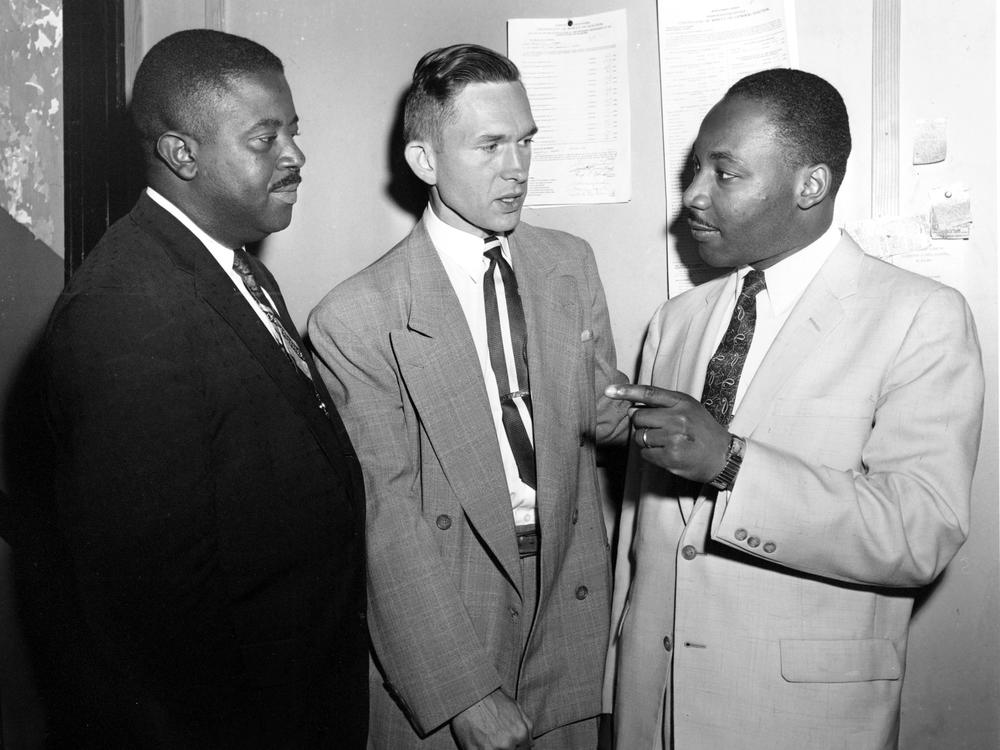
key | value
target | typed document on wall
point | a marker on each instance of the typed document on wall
(705, 47)
(575, 71)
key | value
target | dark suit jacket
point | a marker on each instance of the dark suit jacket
(214, 513)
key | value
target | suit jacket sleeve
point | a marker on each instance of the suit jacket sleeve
(136, 501)
(612, 423)
(424, 640)
(900, 515)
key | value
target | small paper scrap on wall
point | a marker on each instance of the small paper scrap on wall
(951, 212)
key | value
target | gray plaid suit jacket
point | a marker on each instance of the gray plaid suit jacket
(445, 582)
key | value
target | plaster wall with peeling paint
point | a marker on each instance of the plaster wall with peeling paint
(31, 117)
(31, 276)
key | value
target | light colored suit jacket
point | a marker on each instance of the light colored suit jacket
(776, 615)
(444, 572)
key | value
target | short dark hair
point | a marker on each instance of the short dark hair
(809, 117)
(440, 76)
(184, 75)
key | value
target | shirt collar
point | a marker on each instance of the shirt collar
(462, 249)
(788, 279)
(223, 254)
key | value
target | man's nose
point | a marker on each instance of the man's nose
(695, 195)
(292, 156)
(517, 162)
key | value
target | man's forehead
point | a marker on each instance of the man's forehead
(731, 122)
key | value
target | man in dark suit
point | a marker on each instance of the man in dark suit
(470, 363)
(211, 499)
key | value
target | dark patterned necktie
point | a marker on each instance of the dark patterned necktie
(723, 375)
(241, 264)
(512, 382)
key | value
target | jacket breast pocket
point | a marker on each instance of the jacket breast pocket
(854, 660)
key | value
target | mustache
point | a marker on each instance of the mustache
(293, 179)
(695, 218)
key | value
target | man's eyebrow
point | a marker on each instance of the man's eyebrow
(487, 137)
(272, 122)
(723, 155)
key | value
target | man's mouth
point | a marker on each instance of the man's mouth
(286, 189)
(700, 227)
(511, 201)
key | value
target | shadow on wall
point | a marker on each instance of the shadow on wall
(687, 248)
(409, 193)
(39, 601)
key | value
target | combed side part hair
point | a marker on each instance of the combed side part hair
(440, 76)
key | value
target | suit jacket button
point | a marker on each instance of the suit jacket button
(444, 522)
(581, 592)
(740, 534)
(770, 546)
(667, 645)
(689, 552)
(514, 614)
(753, 542)
(576, 514)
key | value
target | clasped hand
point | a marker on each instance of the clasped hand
(675, 431)
(496, 722)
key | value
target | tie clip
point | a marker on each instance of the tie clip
(515, 394)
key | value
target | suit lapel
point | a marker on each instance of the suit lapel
(816, 314)
(551, 313)
(216, 289)
(438, 362)
(694, 347)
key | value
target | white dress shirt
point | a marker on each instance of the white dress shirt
(462, 256)
(786, 282)
(224, 255)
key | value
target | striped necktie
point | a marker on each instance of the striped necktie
(512, 377)
(241, 264)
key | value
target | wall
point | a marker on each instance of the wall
(948, 51)
(31, 273)
(348, 64)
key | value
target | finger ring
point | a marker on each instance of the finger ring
(644, 441)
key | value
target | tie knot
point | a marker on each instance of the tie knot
(241, 263)
(493, 250)
(753, 283)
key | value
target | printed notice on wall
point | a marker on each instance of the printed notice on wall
(705, 47)
(575, 71)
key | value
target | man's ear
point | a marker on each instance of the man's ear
(179, 152)
(816, 182)
(421, 158)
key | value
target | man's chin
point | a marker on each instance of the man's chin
(713, 257)
(505, 223)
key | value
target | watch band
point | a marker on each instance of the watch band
(734, 459)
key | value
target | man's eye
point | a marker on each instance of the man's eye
(724, 176)
(489, 147)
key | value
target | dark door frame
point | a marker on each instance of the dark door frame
(100, 173)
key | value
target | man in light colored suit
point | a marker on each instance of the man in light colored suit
(767, 564)
(478, 394)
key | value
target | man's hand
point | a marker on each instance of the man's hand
(494, 723)
(675, 431)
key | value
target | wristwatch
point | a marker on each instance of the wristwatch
(734, 458)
